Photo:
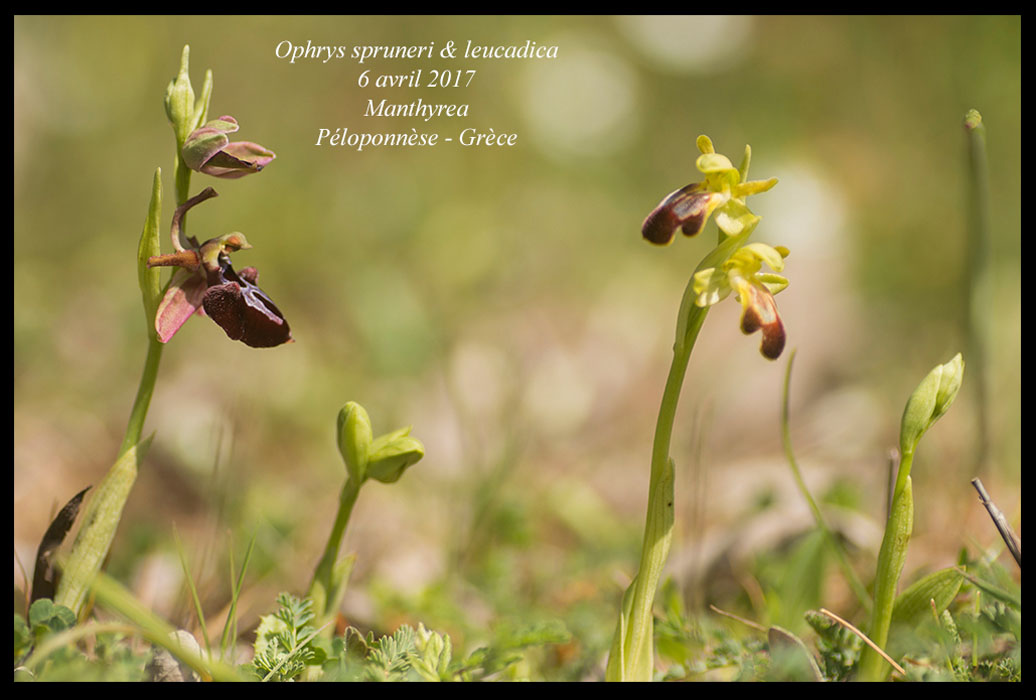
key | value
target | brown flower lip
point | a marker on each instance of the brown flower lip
(761, 314)
(686, 209)
(242, 310)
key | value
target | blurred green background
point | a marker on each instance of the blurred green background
(503, 302)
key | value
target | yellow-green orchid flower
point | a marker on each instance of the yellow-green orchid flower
(754, 289)
(722, 193)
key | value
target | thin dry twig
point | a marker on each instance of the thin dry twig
(753, 625)
(864, 637)
(1014, 545)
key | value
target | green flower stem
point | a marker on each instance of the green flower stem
(658, 527)
(182, 180)
(154, 351)
(891, 559)
(928, 402)
(850, 574)
(325, 587)
(632, 653)
(978, 289)
(144, 393)
(101, 519)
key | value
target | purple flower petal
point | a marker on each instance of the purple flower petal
(181, 301)
(208, 150)
(237, 160)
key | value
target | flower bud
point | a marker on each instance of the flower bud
(179, 99)
(354, 439)
(208, 150)
(929, 402)
(949, 385)
(391, 454)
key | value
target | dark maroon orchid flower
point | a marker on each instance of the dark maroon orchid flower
(242, 309)
(207, 284)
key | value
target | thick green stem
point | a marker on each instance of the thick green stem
(979, 277)
(101, 519)
(891, 559)
(182, 178)
(102, 516)
(658, 526)
(323, 587)
(144, 392)
(632, 654)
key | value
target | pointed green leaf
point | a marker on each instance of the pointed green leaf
(913, 606)
(201, 107)
(149, 278)
(392, 454)
(100, 522)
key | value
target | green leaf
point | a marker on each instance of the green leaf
(149, 278)
(339, 582)
(912, 605)
(22, 639)
(619, 666)
(1004, 596)
(46, 617)
(284, 643)
(201, 107)
(432, 655)
(392, 454)
(100, 522)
